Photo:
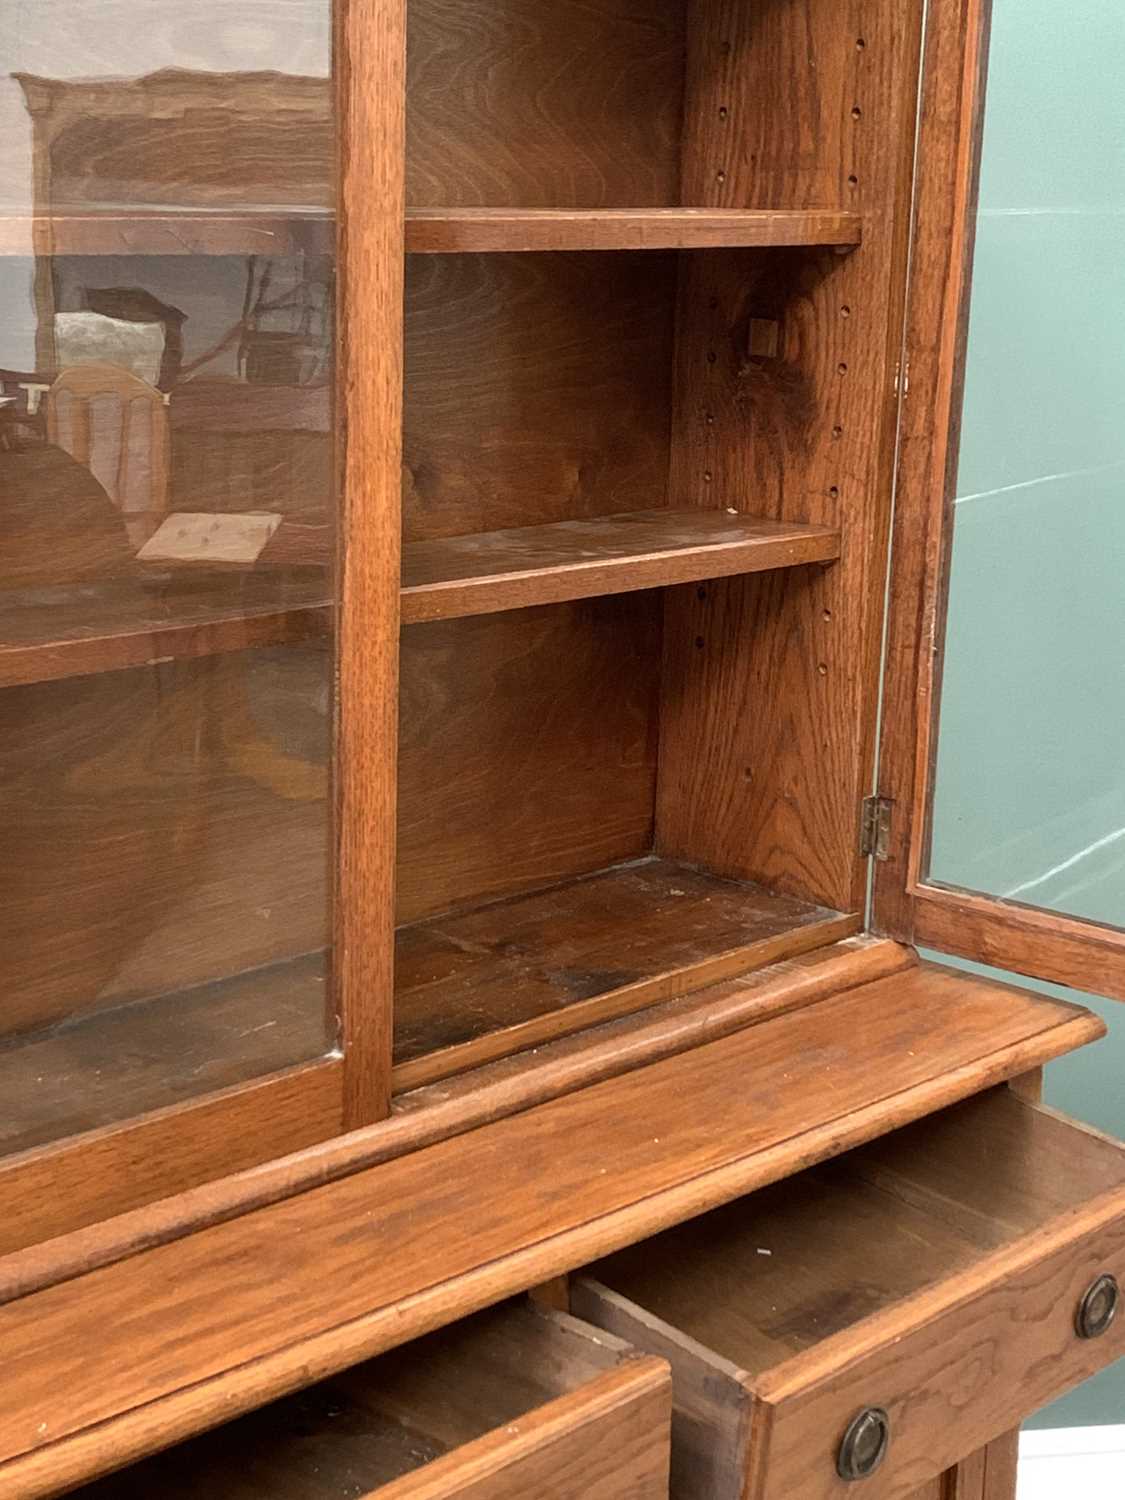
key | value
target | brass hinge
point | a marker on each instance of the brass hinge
(875, 827)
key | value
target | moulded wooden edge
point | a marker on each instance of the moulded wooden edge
(267, 1369)
(617, 1046)
(431, 1114)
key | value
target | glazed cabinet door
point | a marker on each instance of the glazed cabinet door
(196, 590)
(1002, 778)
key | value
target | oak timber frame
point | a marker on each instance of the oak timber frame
(1010, 935)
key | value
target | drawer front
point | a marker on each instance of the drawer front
(863, 1327)
(610, 1440)
(515, 1403)
(951, 1369)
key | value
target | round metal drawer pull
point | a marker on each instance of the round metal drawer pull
(1098, 1307)
(864, 1445)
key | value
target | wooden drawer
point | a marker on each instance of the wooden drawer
(516, 1403)
(934, 1276)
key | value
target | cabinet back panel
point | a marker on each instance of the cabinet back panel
(516, 103)
(163, 827)
(820, 113)
(538, 388)
(527, 748)
(282, 471)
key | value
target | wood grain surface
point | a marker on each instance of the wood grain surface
(125, 625)
(948, 162)
(165, 827)
(987, 1474)
(369, 53)
(361, 1264)
(496, 1376)
(1048, 945)
(1001, 1466)
(863, 1278)
(528, 565)
(786, 678)
(660, 1030)
(72, 229)
(114, 1064)
(178, 1151)
(609, 1441)
(538, 388)
(58, 1190)
(237, 448)
(544, 726)
(815, 1257)
(481, 984)
(515, 104)
(443, 230)
(429, 231)
(1043, 944)
(711, 1403)
(960, 1364)
(255, 138)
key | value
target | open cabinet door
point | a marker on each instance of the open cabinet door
(1001, 816)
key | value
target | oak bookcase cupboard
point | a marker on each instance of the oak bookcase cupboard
(447, 459)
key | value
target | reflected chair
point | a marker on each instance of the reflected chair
(115, 425)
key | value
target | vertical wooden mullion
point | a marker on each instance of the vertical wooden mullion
(370, 84)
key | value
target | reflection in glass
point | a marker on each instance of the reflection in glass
(167, 305)
(1030, 790)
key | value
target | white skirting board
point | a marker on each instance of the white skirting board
(1072, 1463)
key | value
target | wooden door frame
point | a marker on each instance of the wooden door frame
(906, 905)
(83, 1179)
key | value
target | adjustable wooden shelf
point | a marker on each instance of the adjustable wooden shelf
(185, 230)
(488, 571)
(448, 466)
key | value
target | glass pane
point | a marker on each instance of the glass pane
(1030, 789)
(166, 495)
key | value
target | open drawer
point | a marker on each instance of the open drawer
(516, 1403)
(872, 1321)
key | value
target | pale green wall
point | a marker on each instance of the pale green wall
(1031, 766)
